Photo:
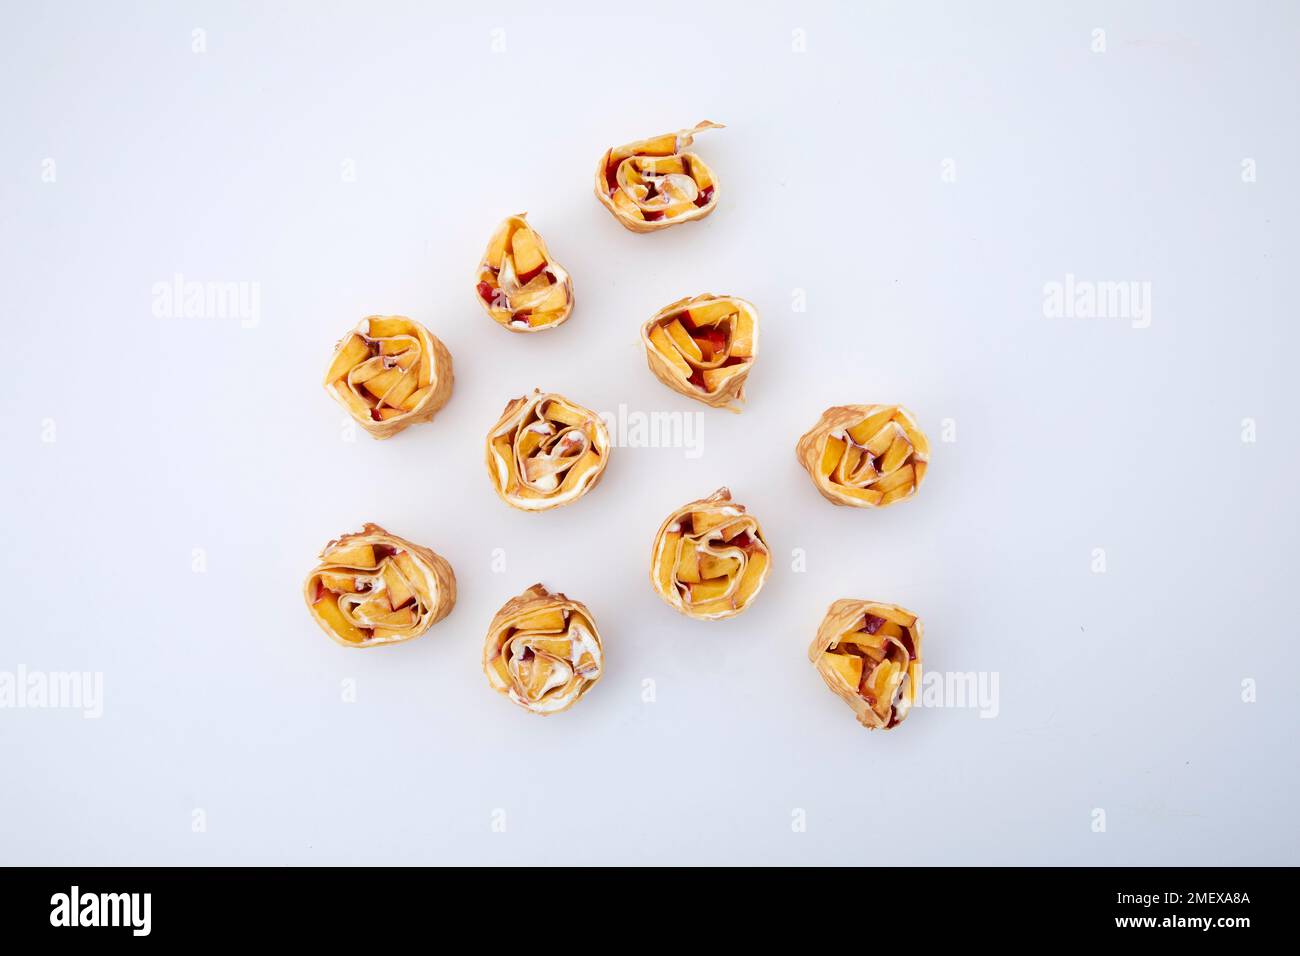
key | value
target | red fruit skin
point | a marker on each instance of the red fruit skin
(528, 277)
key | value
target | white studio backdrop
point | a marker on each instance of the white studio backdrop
(1108, 528)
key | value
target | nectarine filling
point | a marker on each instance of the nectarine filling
(654, 183)
(876, 660)
(703, 347)
(544, 661)
(373, 588)
(543, 651)
(546, 451)
(874, 457)
(389, 369)
(519, 285)
(710, 558)
(370, 592)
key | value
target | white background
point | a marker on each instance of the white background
(1119, 690)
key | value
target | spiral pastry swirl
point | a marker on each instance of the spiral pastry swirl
(869, 654)
(373, 588)
(655, 183)
(390, 372)
(710, 558)
(543, 651)
(546, 451)
(704, 348)
(865, 456)
(519, 285)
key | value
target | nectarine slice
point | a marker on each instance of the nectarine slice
(527, 251)
(868, 427)
(897, 615)
(328, 608)
(707, 313)
(356, 556)
(742, 336)
(713, 566)
(880, 442)
(353, 350)
(382, 327)
(688, 566)
(665, 145)
(666, 559)
(831, 455)
(896, 455)
(897, 479)
(496, 251)
(659, 338)
(399, 592)
(550, 619)
(379, 385)
(343, 583)
(708, 590)
(401, 390)
(752, 577)
(848, 667)
(682, 339)
(715, 378)
(702, 521)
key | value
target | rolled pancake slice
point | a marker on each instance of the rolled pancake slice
(869, 654)
(546, 451)
(704, 348)
(388, 373)
(710, 558)
(865, 456)
(543, 651)
(520, 285)
(373, 588)
(656, 183)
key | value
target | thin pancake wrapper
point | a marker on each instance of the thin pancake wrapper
(546, 451)
(520, 285)
(656, 183)
(543, 651)
(869, 653)
(865, 456)
(704, 348)
(390, 372)
(710, 558)
(373, 588)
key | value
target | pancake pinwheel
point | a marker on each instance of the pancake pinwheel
(865, 456)
(522, 288)
(704, 348)
(543, 651)
(655, 183)
(374, 588)
(869, 653)
(390, 372)
(546, 451)
(710, 558)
